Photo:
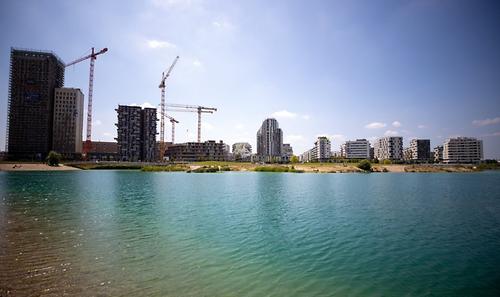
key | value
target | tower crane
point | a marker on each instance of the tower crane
(192, 108)
(92, 56)
(173, 122)
(164, 77)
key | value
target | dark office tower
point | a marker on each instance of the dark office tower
(34, 75)
(136, 133)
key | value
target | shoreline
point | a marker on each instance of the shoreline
(242, 166)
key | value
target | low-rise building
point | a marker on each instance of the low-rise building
(389, 148)
(103, 151)
(462, 150)
(197, 151)
(356, 149)
(287, 152)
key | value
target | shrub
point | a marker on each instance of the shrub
(53, 158)
(387, 162)
(365, 165)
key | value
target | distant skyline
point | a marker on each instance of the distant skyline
(343, 69)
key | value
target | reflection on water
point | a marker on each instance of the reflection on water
(112, 233)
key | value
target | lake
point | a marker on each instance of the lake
(131, 233)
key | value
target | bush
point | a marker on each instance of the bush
(53, 158)
(365, 165)
(168, 168)
(277, 169)
(387, 162)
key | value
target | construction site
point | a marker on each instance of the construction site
(35, 76)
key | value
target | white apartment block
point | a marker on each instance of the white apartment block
(320, 152)
(462, 150)
(356, 149)
(390, 148)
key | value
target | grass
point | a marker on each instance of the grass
(105, 166)
(167, 168)
(277, 169)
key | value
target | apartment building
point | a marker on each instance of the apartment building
(462, 150)
(197, 151)
(390, 148)
(419, 150)
(356, 149)
(68, 121)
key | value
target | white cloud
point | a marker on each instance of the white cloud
(284, 114)
(306, 117)
(375, 125)
(144, 105)
(396, 124)
(224, 24)
(197, 63)
(391, 133)
(293, 138)
(486, 122)
(334, 137)
(154, 44)
(421, 126)
(492, 134)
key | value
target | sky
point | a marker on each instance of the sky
(344, 69)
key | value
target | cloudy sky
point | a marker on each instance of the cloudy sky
(345, 69)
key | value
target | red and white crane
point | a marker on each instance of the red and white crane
(92, 56)
(164, 77)
(192, 108)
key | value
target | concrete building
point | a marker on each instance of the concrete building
(389, 148)
(419, 150)
(287, 152)
(321, 152)
(462, 150)
(103, 151)
(68, 121)
(197, 151)
(356, 149)
(242, 151)
(33, 78)
(269, 141)
(136, 133)
(438, 153)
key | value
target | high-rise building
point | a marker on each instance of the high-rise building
(136, 133)
(321, 151)
(389, 148)
(242, 151)
(462, 150)
(270, 141)
(419, 150)
(68, 121)
(34, 76)
(356, 149)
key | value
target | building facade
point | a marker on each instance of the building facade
(462, 150)
(321, 152)
(136, 133)
(356, 149)
(68, 121)
(389, 148)
(438, 153)
(34, 76)
(103, 151)
(420, 150)
(197, 151)
(270, 141)
(287, 152)
(242, 151)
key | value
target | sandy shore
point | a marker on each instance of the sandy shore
(34, 167)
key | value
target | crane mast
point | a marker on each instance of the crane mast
(162, 107)
(173, 122)
(92, 56)
(193, 108)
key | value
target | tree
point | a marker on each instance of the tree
(387, 162)
(53, 158)
(294, 159)
(365, 165)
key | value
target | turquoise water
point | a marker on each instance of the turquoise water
(129, 233)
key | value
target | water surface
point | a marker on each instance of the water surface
(129, 233)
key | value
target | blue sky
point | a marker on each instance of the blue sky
(345, 69)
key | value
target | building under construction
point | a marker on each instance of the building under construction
(34, 76)
(136, 133)
(198, 151)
